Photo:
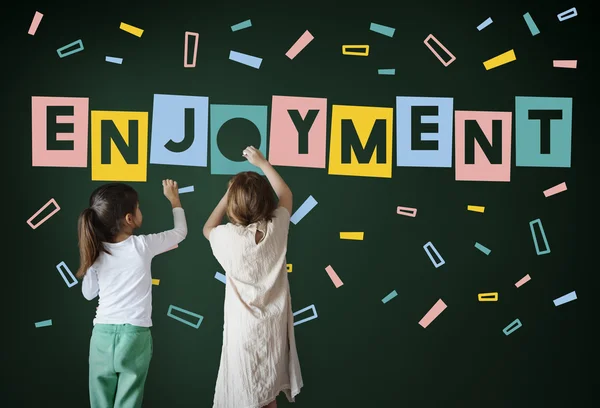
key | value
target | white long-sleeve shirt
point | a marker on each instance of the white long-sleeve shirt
(123, 281)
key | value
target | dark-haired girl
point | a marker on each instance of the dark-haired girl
(115, 266)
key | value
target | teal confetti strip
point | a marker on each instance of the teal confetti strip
(383, 30)
(389, 297)
(179, 319)
(531, 24)
(62, 54)
(44, 323)
(482, 248)
(516, 324)
(242, 25)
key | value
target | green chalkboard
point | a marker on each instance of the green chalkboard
(359, 351)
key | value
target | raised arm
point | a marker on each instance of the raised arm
(215, 217)
(163, 241)
(282, 190)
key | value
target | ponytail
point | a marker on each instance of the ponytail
(90, 244)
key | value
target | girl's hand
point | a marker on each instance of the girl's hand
(254, 156)
(170, 190)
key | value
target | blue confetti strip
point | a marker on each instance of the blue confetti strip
(304, 209)
(114, 60)
(219, 276)
(245, 59)
(314, 316)
(486, 23)
(569, 297)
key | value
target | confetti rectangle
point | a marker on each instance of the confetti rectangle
(516, 324)
(565, 64)
(383, 30)
(485, 23)
(114, 60)
(220, 277)
(334, 277)
(482, 248)
(407, 211)
(245, 59)
(56, 209)
(131, 29)
(389, 297)
(186, 48)
(523, 281)
(355, 236)
(567, 14)
(504, 58)
(531, 24)
(439, 57)
(387, 71)
(77, 43)
(304, 209)
(488, 297)
(179, 319)
(363, 53)
(289, 268)
(559, 188)
(188, 189)
(437, 254)
(156, 282)
(433, 313)
(64, 266)
(299, 45)
(535, 240)
(314, 316)
(44, 323)
(476, 208)
(242, 25)
(569, 297)
(37, 19)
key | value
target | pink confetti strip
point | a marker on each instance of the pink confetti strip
(439, 57)
(56, 209)
(408, 211)
(37, 19)
(559, 188)
(186, 64)
(334, 277)
(564, 64)
(523, 281)
(434, 312)
(299, 45)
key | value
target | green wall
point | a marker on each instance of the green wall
(358, 352)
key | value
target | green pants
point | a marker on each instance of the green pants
(120, 356)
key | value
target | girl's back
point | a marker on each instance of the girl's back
(255, 271)
(124, 284)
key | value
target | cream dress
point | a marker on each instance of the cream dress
(258, 358)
